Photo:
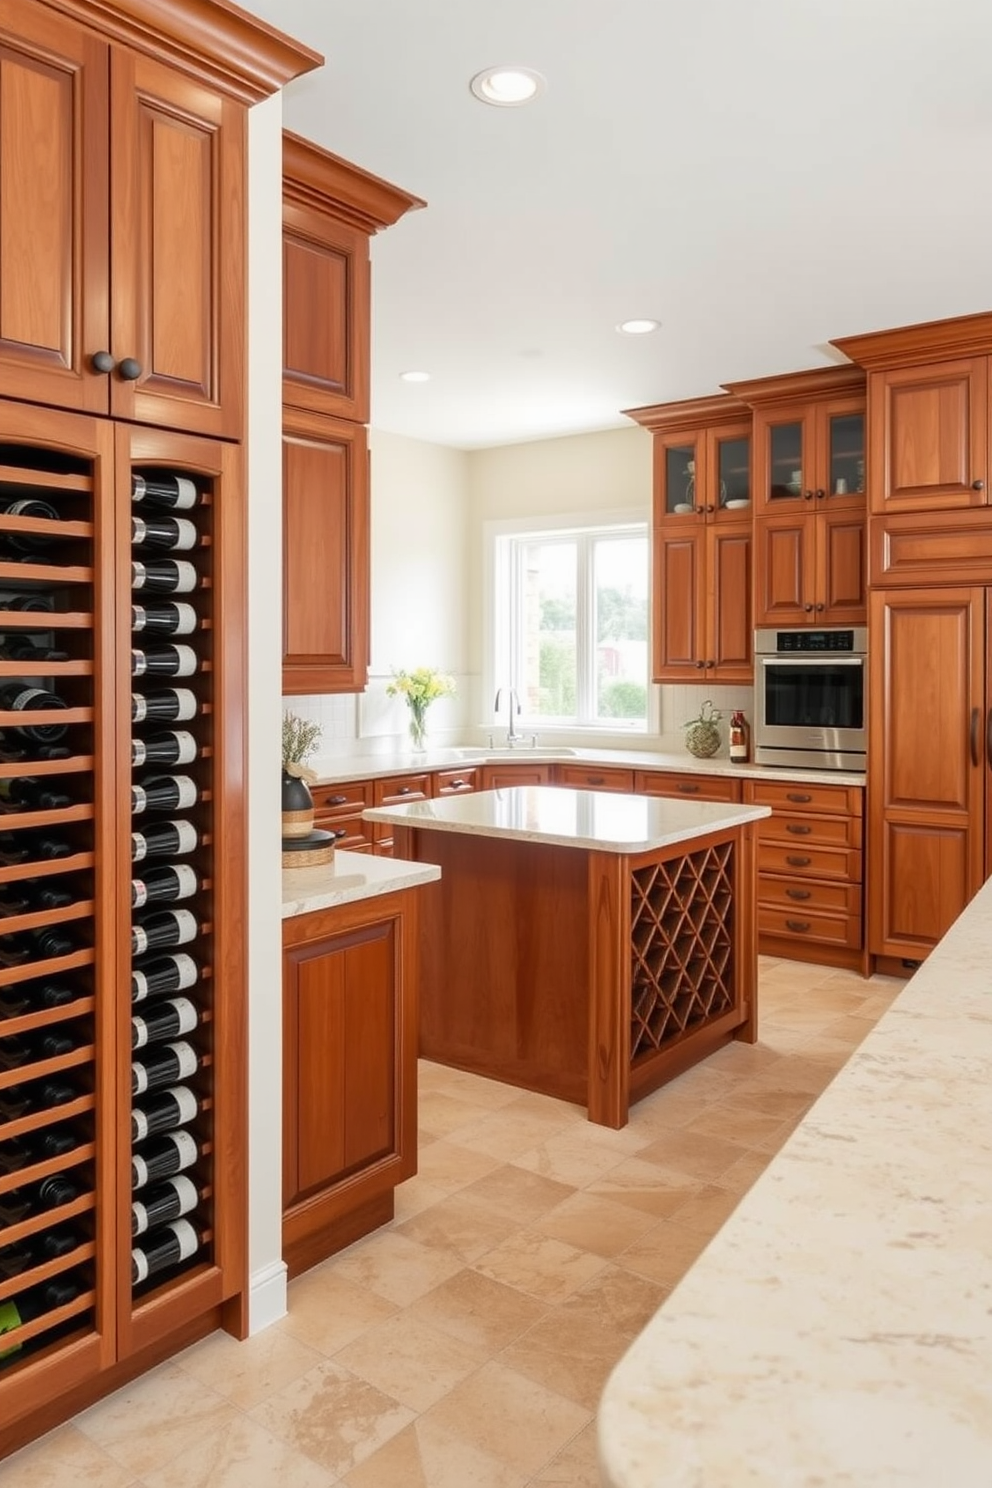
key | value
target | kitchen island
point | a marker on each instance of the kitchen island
(586, 945)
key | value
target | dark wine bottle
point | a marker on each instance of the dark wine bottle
(164, 661)
(12, 754)
(30, 1048)
(31, 997)
(37, 1147)
(163, 839)
(174, 1107)
(35, 1303)
(164, 793)
(173, 1153)
(173, 927)
(164, 619)
(33, 795)
(29, 542)
(163, 976)
(51, 1245)
(40, 845)
(169, 492)
(28, 945)
(163, 1249)
(40, 1095)
(164, 534)
(166, 1202)
(178, 747)
(163, 1064)
(164, 884)
(18, 648)
(51, 1193)
(21, 699)
(171, 705)
(29, 602)
(164, 1020)
(165, 576)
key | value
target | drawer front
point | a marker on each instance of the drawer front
(788, 795)
(399, 788)
(594, 777)
(809, 895)
(341, 800)
(826, 831)
(495, 777)
(695, 787)
(801, 925)
(800, 860)
(350, 832)
(456, 782)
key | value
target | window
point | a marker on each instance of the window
(570, 623)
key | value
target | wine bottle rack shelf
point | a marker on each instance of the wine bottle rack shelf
(37, 1120)
(41, 1068)
(34, 1174)
(47, 966)
(14, 872)
(78, 1008)
(72, 1258)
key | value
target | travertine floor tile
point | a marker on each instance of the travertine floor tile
(735, 1124)
(241, 1455)
(489, 1094)
(647, 1186)
(447, 1166)
(592, 1223)
(408, 1359)
(665, 1254)
(464, 1226)
(506, 1134)
(246, 1373)
(569, 1158)
(576, 1466)
(63, 1457)
(484, 1314)
(425, 1456)
(333, 1417)
(501, 1413)
(518, 1193)
(394, 1267)
(441, 1113)
(152, 1420)
(693, 1153)
(708, 1210)
(327, 1312)
(542, 1267)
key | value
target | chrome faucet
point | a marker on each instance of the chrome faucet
(513, 703)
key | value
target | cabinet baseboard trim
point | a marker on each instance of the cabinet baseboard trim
(267, 1296)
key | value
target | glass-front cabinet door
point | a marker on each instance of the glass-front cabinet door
(732, 462)
(677, 476)
(786, 472)
(845, 455)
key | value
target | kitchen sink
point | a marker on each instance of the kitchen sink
(522, 752)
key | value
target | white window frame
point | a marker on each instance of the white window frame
(500, 668)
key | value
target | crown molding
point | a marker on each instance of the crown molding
(314, 177)
(932, 340)
(788, 387)
(690, 413)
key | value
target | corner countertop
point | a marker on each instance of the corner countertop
(607, 821)
(334, 771)
(838, 1329)
(349, 876)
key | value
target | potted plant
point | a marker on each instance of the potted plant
(300, 737)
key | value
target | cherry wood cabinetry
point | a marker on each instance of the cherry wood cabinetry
(701, 543)
(687, 784)
(393, 791)
(594, 777)
(338, 809)
(349, 1071)
(456, 782)
(330, 211)
(810, 871)
(494, 777)
(810, 565)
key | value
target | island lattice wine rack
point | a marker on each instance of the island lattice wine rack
(121, 902)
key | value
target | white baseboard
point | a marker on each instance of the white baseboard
(267, 1294)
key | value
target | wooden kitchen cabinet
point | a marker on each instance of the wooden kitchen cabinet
(456, 782)
(701, 548)
(810, 568)
(496, 777)
(124, 278)
(395, 790)
(338, 809)
(594, 777)
(349, 1071)
(687, 784)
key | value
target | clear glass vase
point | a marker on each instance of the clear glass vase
(418, 729)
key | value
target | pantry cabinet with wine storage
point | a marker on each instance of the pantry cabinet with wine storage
(122, 616)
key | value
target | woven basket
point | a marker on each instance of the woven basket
(702, 736)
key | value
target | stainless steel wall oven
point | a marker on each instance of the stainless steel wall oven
(810, 697)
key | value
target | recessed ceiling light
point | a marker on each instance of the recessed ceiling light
(415, 377)
(638, 327)
(507, 87)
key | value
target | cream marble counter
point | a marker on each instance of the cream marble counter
(347, 877)
(608, 821)
(838, 1329)
(331, 771)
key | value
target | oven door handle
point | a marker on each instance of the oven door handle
(805, 658)
(974, 735)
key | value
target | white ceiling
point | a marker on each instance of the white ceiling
(758, 175)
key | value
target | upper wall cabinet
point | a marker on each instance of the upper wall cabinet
(330, 211)
(123, 277)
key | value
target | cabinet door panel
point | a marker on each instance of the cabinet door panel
(729, 643)
(53, 224)
(678, 606)
(929, 436)
(325, 555)
(370, 1036)
(177, 238)
(319, 1016)
(783, 569)
(925, 885)
(841, 568)
(326, 355)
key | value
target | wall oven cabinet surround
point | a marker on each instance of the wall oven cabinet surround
(330, 211)
(810, 698)
(701, 539)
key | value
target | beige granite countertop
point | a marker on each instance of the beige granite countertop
(347, 877)
(604, 820)
(331, 771)
(838, 1328)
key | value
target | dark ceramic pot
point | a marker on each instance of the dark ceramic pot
(297, 807)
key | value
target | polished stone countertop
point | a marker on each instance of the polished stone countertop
(332, 771)
(837, 1331)
(349, 876)
(604, 820)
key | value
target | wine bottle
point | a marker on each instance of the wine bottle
(178, 747)
(16, 648)
(168, 1201)
(164, 885)
(171, 705)
(166, 534)
(173, 1107)
(29, 602)
(165, 576)
(163, 1249)
(40, 1095)
(169, 618)
(163, 976)
(35, 845)
(31, 997)
(170, 492)
(164, 661)
(12, 754)
(47, 1043)
(27, 945)
(51, 1193)
(21, 699)
(29, 542)
(173, 1153)
(37, 1147)
(51, 1245)
(34, 1303)
(164, 1020)
(173, 927)
(163, 839)
(163, 1065)
(164, 793)
(35, 895)
(33, 795)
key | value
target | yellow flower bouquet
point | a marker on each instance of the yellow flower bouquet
(420, 688)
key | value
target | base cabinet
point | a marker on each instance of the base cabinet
(349, 1071)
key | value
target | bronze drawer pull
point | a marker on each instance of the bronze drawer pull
(798, 796)
(797, 829)
(337, 800)
(799, 926)
(798, 862)
(689, 790)
(595, 779)
(458, 784)
(799, 893)
(404, 790)
(338, 835)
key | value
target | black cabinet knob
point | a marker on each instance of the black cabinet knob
(978, 485)
(700, 665)
(102, 361)
(820, 495)
(129, 369)
(819, 607)
(807, 495)
(808, 608)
